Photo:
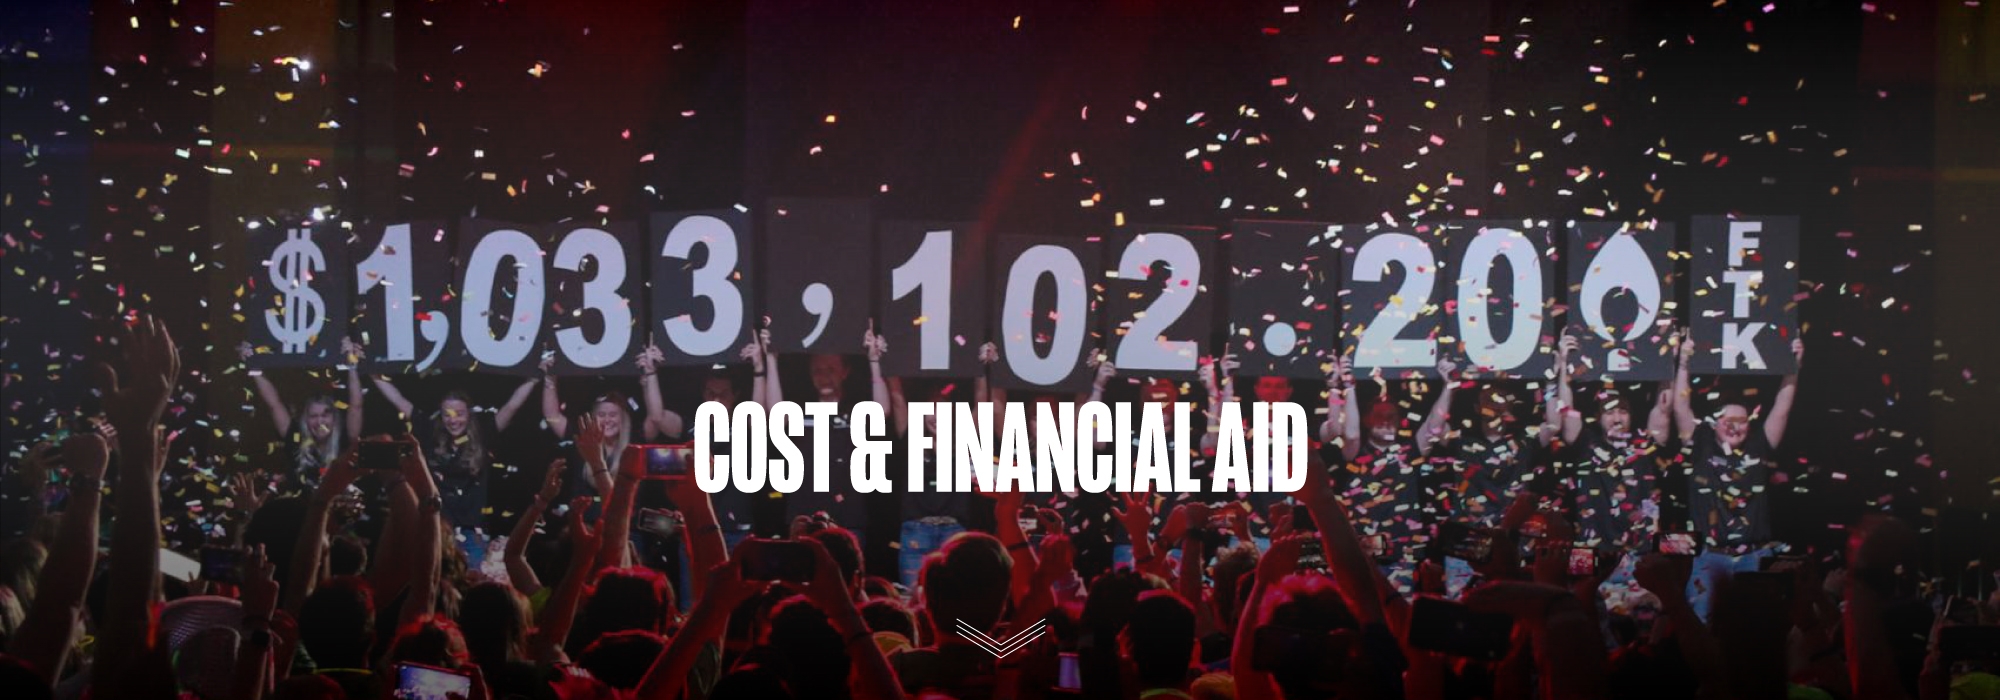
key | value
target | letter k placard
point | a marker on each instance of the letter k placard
(1000, 649)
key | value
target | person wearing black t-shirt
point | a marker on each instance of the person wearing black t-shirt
(930, 516)
(840, 502)
(1494, 458)
(458, 445)
(1728, 461)
(1388, 482)
(316, 433)
(1610, 470)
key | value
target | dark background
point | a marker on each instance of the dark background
(144, 141)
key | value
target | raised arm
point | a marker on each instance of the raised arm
(351, 351)
(1572, 419)
(151, 365)
(519, 573)
(552, 410)
(982, 388)
(660, 422)
(1137, 517)
(260, 601)
(872, 678)
(395, 398)
(1352, 568)
(274, 404)
(705, 625)
(1343, 415)
(879, 389)
(303, 570)
(898, 405)
(706, 547)
(615, 548)
(43, 639)
(1434, 427)
(1281, 560)
(511, 409)
(774, 384)
(1105, 371)
(553, 625)
(1781, 405)
(428, 533)
(1683, 391)
(1659, 420)
(1007, 526)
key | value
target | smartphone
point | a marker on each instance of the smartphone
(1069, 672)
(420, 682)
(666, 461)
(1960, 611)
(1969, 643)
(386, 456)
(1679, 544)
(222, 564)
(1030, 520)
(1582, 561)
(1783, 563)
(1280, 648)
(1535, 528)
(663, 523)
(777, 560)
(1378, 547)
(1471, 544)
(1451, 628)
(1312, 555)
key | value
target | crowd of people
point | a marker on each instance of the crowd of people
(1619, 552)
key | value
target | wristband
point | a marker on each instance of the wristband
(86, 482)
(431, 506)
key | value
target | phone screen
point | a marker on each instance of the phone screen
(1029, 519)
(1069, 673)
(220, 564)
(418, 682)
(1377, 547)
(1680, 544)
(1465, 542)
(1451, 628)
(667, 461)
(1582, 561)
(658, 522)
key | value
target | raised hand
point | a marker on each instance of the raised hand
(552, 481)
(589, 437)
(583, 538)
(1228, 363)
(247, 492)
(1799, 351)
(726, 587)
(86, 455)
(875, 345)
(1447, 369)
(1282, 559)
(1566, 348)
(1664, 576)
(1683, 347)
(1205, 372)
(244, 351)
(1137, 515)
(152, 364)
(989, 353)
(548, 362)
(828, 588)
(351, 350)
(343, 472)
(649, 359)
(260, 589)
(1105, 371)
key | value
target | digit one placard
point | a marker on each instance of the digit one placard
(933, 307)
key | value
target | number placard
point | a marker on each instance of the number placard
(702, 304)
(296, 308)
(1158, 301)
(503, 293)
(402, 298)
(1284, 284)
(595, 313)
(932, 309)
(1047, 310)
(1497, 286)
(1623, 295)
(1393, 310)
(1744, 276)
(817, 289)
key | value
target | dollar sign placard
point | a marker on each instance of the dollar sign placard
(301, 299)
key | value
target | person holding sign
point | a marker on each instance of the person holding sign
(1612, 470)
(1495, 458)
(1387, 478)
(458, 446)
(612, 416)
(930, 515)
(829, 379)
(312, 440)
(1728, 459)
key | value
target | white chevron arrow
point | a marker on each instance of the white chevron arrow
(998, 648)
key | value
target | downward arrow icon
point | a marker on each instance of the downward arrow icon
(1001, 648)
